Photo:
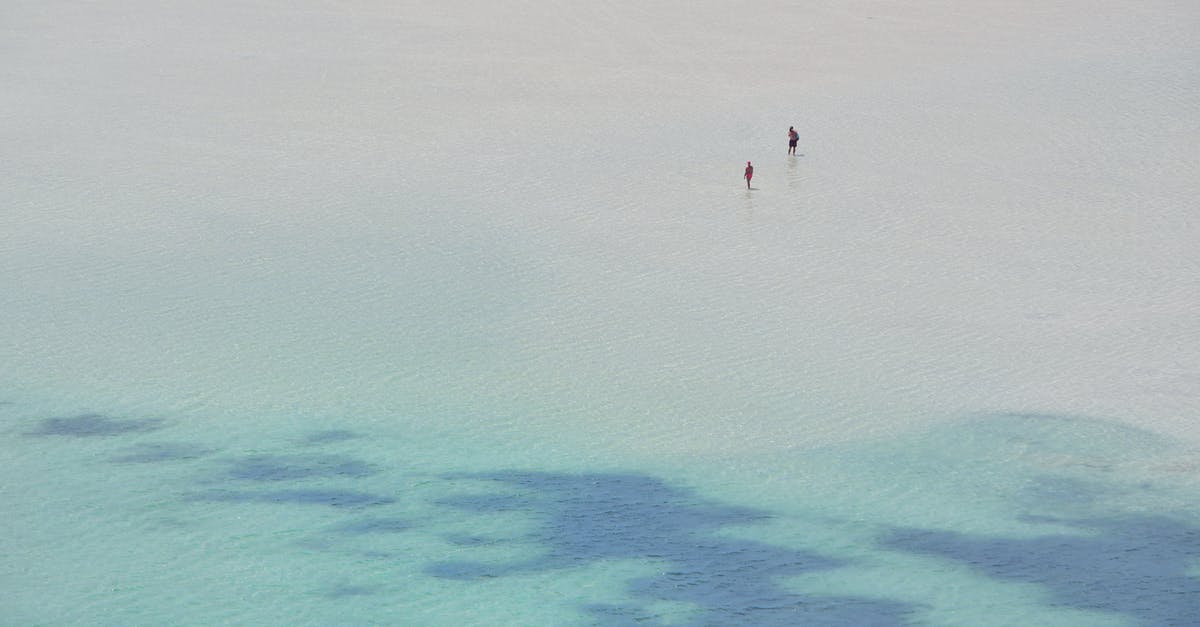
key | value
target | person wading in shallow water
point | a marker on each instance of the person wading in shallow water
(793, 137)
(749, 174)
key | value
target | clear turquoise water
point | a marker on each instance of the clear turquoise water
(135, 517)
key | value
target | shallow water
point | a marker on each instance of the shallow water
(289, 341)
(988, 520)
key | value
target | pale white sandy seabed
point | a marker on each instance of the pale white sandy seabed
(287, 287)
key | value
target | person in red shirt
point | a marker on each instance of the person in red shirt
(749, 174)
(793, 137)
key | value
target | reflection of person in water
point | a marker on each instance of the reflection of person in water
(749, 174)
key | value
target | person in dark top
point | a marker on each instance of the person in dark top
(793, 137)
